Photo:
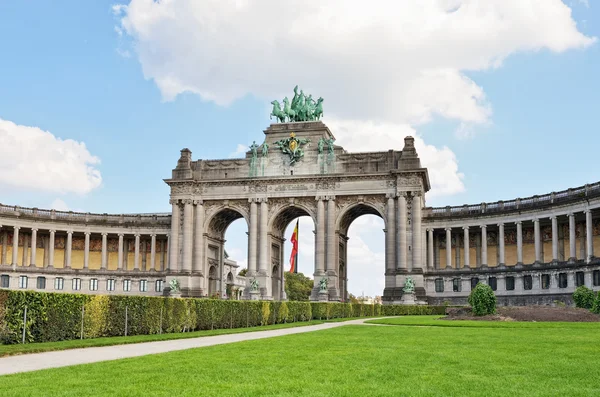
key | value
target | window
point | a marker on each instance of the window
(456, 285)
(545, 281)
(59, 283)
(143, 285)
(110, 284)
(76, 284)
(158, 286)
(596, 277)
(23, 282)
(493, 283)
(579, 279)
(93, 284)
(127, 285)
(41, 283)
(439, 285)
(510, 283)
(562, 280)
(5, 281)
(474, 282)
(527, 282)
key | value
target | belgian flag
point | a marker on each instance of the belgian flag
(294, 255)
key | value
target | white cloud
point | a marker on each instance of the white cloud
(33, 159)
(441, 163)
(400, 62)
(59, 205)
(240, 150)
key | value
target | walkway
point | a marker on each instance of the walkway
(64, 358)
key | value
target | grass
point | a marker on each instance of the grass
(11, 350)
(434, 321)
(352, 360)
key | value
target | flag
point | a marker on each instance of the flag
(294, 255)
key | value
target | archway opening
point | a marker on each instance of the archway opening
(362, 254)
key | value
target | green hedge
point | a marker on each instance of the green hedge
(58, 316)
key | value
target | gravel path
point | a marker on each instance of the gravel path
(63, 358)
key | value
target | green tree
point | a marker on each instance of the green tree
(353, 299)
(482, 300)
(584, 297)
(297, 286)
(243, 272)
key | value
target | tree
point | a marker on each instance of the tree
(297, 286)
(584, 297)
(243, 272)
(353, 299)
(482, 300)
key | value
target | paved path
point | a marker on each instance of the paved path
(63, 358)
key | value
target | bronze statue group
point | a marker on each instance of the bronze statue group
(302, 108)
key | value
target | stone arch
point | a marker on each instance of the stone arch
(212, 280)
(284, 215)
(219, 220)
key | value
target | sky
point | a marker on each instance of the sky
(97, 98)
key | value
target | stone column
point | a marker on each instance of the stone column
(501, 249)
(332, 240)
(51, 249)
(554, 239)
(136, 253)
(120, 252)
(320, 243)
(402, 223)
(173, 264)
(68, 249)
(86, 250)
(263, 257)
(572, 246)
(466, 247)
(484, 257)
(390, 235)
(430, 263)
(457, 250)
(188, 235)
(589, 235)
(25, 251)
(253, 237)
(33, 247)
(198, 265)
(15, 250)
(448, 247)
(104, 250)
(537, 240)
(152, 265)
(519, 243)
(416, 232)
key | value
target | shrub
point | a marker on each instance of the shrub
(283, 313)
(482, 300)
(583, 297)
(596, 305)
(266, 312)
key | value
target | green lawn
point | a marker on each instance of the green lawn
(352, 360)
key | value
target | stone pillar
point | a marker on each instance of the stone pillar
(198, 265)
(136, 254)
(466, 247)
(430, 263)
(484, 257)
(25, 251)
(572, 246)
(332, 240)
(68, 249)
(589, 235)
(173, 264)
(457, 250)
(104, 250)
(188, 236)
(448, 247)
(263, 257)
(519, 243)
(416, 231)
(152, 265)
(86, 250)
(402, 223)
(51, 249)
(554, 239)
(253, 237)
(120, 252)
(537, 240)
(320, 243)
(33, 247)
(501, 249)
(390, 235)
(166, 264)
(15, 250)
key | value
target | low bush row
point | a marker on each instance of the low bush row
(62, 316)
(587, 299)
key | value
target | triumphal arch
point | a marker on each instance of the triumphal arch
(297, 170)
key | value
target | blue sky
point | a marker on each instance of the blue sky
(511, 104)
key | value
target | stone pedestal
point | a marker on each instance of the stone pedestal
(323, 296)
(408, 298)
(254, 295)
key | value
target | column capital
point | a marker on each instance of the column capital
(121, 234)
(417, 193)
(52, 231)
(518, 222)
(430, 229)
(70, 232)
(501, 224)
(320, 198)
(570, 215)
(403, 194)
(16, 227)
(253, 200)
(587, 210)
(483, 226)
(187, 201)
(390, 195)
(330, 198)
(553, 217)
(33, 229)
(199, 202)
(87, 233)
(448, 229)
(174, 201)
(262, 200)
(465, 227)
(153, 235)
(104, 234)
(536, 220)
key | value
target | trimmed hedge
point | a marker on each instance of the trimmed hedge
(58, 316)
